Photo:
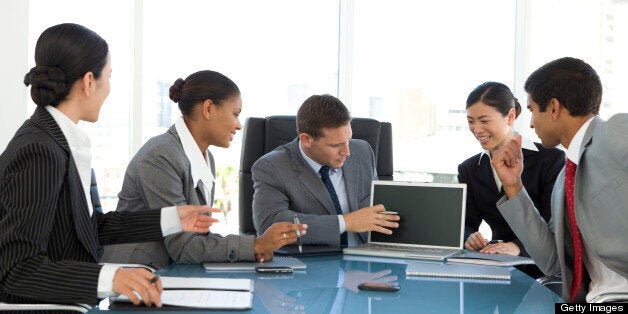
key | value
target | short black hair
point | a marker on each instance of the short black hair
(321, 111)
(573, 82)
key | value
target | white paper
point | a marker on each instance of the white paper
(207, 283)
(207, 299)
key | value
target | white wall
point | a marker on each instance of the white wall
(13, 62)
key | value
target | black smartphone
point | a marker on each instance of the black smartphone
(385, 287)
(273, 269)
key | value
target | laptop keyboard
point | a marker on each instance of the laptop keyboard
(400, 247)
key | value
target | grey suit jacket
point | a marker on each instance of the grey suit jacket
(285, 185)
(160, 175)
(601, 206)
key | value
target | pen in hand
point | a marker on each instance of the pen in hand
(296, 221)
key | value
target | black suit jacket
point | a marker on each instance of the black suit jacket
(48, 242)
(539, 173)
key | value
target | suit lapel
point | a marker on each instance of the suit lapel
(309, 179)
(351, 176)
(85, 226)
(484, 173)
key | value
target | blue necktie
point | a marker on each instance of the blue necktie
(324, 172)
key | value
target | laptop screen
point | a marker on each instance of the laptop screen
(432, 214)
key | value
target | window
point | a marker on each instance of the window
(110, 135)
(594, 31)
(414, 65)
(278, 52)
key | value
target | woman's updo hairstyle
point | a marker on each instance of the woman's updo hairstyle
(201, 86)
(496, 95)
(63, 54)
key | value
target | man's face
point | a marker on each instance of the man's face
(331, 148)
(543, 124)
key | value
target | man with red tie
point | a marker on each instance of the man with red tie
(585, 239)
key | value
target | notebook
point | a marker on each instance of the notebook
(291, 262)
(471, 257)
(308, 250)
(457, 271)
(431, 225)
(198, 293)
(192, 300)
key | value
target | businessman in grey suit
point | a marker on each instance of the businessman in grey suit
(585, 238)
(322, 176)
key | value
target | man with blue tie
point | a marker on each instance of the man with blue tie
(585, 239)
(323, 176)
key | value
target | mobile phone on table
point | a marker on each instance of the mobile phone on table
(273, 269)
(373, 286)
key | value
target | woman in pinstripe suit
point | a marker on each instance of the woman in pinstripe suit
(49, 233)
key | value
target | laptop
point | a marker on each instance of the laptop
(432, 220)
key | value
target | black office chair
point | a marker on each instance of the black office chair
(555, 284)
(262, 135)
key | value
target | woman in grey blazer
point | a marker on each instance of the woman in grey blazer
(177, 168)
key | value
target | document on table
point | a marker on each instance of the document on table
(472, 257)
(198, 299)
(232, 284)
(291, 262)
(457, 270)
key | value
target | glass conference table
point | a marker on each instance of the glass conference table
(329, 285)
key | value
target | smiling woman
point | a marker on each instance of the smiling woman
(177, 167)
(491, 112)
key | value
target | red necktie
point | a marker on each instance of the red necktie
(570, 183)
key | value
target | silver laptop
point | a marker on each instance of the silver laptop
(432, 220)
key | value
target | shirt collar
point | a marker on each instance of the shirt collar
(199, 164)
(315, 166)
(525, 144)
(75, 136)
(573, 152)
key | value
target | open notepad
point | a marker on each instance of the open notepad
(291, 262)
(471, 257)
(199, 293)
(457, 271)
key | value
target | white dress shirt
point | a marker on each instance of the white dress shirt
(525, 144)
(201, 171)
(338, 181)
(80, 146)
(603, 279)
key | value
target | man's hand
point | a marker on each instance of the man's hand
(193, 218)
(508, 163)
(276, 236)
(475, 242)
(370, 219)
(127, 281)
(509, 248)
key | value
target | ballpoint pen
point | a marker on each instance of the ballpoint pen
(296, 221)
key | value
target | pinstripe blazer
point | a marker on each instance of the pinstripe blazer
(48, 242)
